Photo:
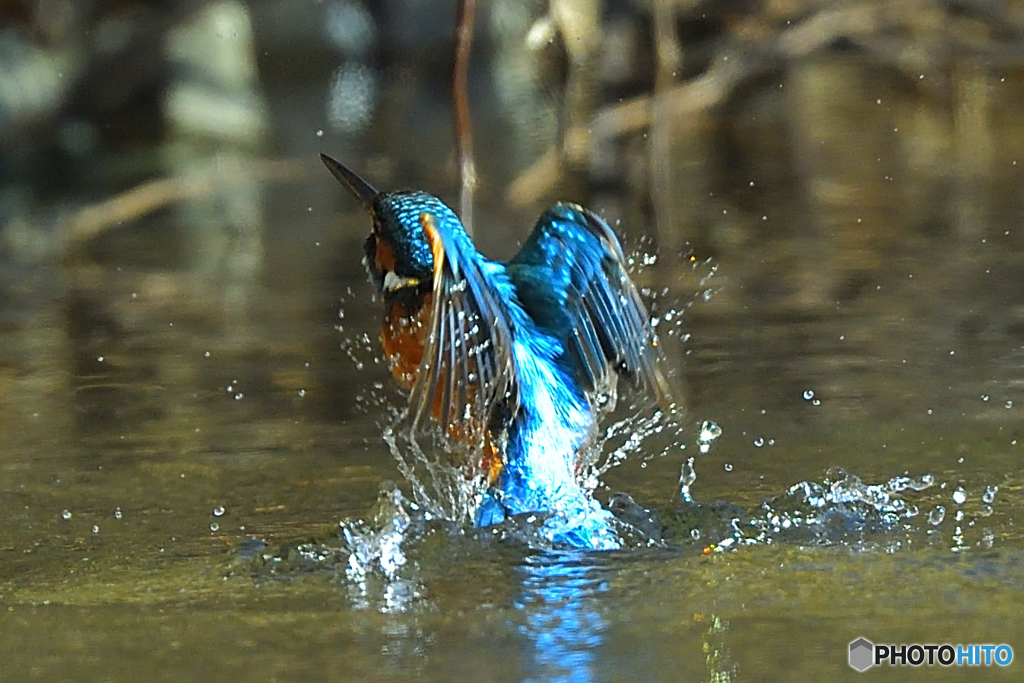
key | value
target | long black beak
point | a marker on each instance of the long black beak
(362, 190)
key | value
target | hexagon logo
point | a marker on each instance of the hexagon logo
(862, 654)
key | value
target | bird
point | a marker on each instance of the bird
(520, 359)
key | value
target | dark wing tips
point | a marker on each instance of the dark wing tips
(644, 355)
(612, 333)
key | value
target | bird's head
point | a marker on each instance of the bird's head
(397, 253)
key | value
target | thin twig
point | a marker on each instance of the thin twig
(463, 125)
(663, 120)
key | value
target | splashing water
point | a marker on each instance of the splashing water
(376, 557)
(446, 483)
(842, 510)
(709, 431)
(440, 487)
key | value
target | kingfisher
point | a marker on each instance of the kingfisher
(520, 359)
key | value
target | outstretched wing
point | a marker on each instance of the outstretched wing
(467, 372)
(571, 278)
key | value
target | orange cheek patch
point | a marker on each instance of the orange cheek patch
(383, 257)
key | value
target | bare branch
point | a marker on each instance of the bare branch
(463, 124)
(143, 199)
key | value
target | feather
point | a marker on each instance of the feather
(467, 372)
(571, 278)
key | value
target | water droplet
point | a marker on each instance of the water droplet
(99, 358)
(214, 526)
(320, 132)
(808, 394)
(687, 475)
(1008, 405)
(709, 431)
(206, 354)
(239, 395)
(302, 393)
(728, 467)
(95, 528)
(117, 513)
(989, 495)
(66, 514)
(959, 496)
(695, 534)
(218, 511)
(985, 397)
(759, 442)
(936, 516)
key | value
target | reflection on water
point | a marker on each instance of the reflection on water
(177, 447)
(560, 599)
(142, 414)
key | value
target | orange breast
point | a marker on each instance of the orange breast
(404, 335)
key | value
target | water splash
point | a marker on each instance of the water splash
(843, 505)
(376, 556)
(687, 475)
(443, 481)
(446, 483)
(630, 436)
(709, 431)
(842, 509)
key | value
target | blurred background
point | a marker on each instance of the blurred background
(848, 171)
(822, 203)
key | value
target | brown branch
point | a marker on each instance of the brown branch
(734, 65)
(463, 125)
(139, 201)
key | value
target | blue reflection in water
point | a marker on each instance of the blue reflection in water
(563, 621)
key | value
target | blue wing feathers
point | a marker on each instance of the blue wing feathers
(570, 277)
(530, 345)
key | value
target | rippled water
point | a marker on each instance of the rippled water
(173, 479)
